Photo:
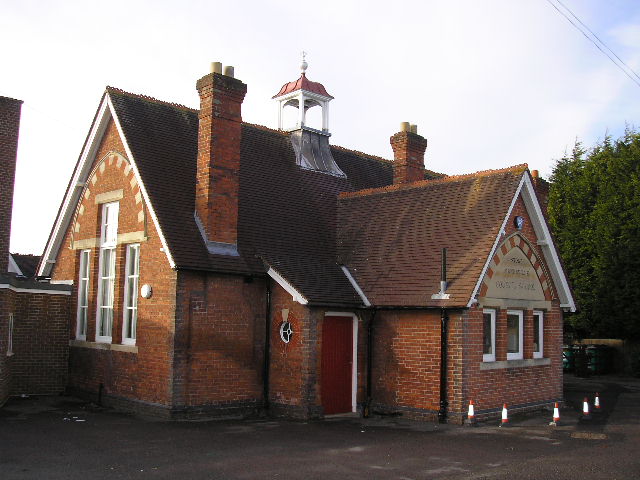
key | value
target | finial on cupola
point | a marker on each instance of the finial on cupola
(303, 94)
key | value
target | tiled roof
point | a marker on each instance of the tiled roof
(391, 238)
(26, 263)
(305, 224)
(286, 214)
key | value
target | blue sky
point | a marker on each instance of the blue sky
(490, 83)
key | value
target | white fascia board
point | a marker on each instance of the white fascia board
(496, 242)
(143, 189)
(33, 290)
(355, 286)
(72, 196)
(546, 244)
(541, 229)
(13, 266)
(105, 113)
(290, 289)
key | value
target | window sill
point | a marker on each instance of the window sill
(529, 362)
(116, 347)
(10, 354)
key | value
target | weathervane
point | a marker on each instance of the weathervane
(304, 64)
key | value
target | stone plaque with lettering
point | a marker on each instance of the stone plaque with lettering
(514, 278)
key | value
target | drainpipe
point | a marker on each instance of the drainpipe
(367, 407)
(267, 347)
(444, 320)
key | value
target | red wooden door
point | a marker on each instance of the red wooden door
(337, 364)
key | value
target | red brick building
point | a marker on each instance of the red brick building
(33, 315)
(223, 268)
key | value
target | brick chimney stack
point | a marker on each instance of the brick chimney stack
(408, 154)
(218, 166)
(9, 126)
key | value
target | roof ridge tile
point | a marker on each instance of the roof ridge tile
(110, 89)
(518, 169)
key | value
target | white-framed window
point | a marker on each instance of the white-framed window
(10, 336)
(107, 271)
(132, 274)
(488, 335)
(83, 295)
(538, 334)
(514, 334)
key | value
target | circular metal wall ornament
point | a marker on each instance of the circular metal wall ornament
(286, 332)
(146, 291)
(518, 222)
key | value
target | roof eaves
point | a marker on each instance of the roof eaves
(287, 286)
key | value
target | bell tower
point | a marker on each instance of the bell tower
(303, 94)
(311, 145)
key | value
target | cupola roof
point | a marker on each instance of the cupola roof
(303, 83)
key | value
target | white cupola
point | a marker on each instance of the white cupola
(303, 94)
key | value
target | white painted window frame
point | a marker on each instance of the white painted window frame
(108, 241)
(489, 357)
(10, 336)
(132, 274)
(540, 315)
(519, 355)
(354, 360)
(84, 280)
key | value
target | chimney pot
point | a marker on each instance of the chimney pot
(228, 71)
(414, 129)
(405, 127)
(216, 67)
(535, 173)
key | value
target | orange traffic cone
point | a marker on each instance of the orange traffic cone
(585, 409)
(471, 419)
(505, 416)
(596, 403)
(556, 415)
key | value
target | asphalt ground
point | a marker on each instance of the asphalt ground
(65, 438)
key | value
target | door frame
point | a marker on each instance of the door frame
(354, 353)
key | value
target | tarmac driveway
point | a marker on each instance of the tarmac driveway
(61, 437)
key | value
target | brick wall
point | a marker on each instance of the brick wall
(295, 366)
(406, 362)
(5, 361)
(139, 375)
(521, 387)
(9, 125)
(39, 364)
(219, 344)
